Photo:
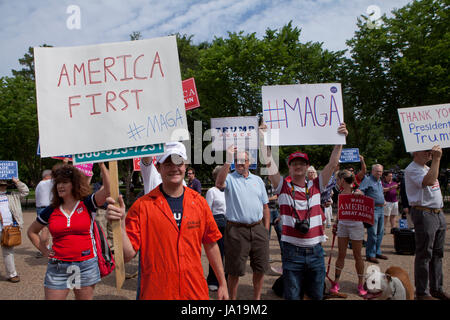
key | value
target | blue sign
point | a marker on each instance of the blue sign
(349, 155)
(119, 154)
(8, 170)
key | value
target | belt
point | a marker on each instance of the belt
(379, 205)
(238, 224)
(56, 261)
(434, 210)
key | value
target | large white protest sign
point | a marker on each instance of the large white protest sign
(109, 96)
(303, 114)
(424, 127)
(239, 131)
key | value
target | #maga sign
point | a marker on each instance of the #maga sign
(303, 114)
(425, 127)
(356, 208)
(109, 96)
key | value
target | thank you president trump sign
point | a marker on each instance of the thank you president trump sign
(425, 127)
(303, 114)
(109, 96)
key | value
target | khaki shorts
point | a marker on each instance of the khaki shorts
(391, 209)
(353, 231)
(242, 242)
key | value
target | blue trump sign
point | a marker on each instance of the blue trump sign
(8, 170)
(349, 155)
(253, 160)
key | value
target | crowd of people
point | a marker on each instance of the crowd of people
(167, 226)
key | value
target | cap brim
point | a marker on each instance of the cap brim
(176, 158)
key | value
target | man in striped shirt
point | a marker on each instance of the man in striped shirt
(302, 223)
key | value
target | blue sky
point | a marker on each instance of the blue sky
(25, 23)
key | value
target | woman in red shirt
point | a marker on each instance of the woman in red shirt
(73, 260)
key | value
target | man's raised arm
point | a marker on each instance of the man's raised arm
(223, 172)
(334, 158)
(267, 159)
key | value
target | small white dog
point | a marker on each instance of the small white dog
(394, 284)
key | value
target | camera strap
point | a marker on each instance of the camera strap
(307, 200)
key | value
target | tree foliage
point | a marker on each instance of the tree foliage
(404, 63)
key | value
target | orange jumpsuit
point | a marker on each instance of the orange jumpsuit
(170, 258)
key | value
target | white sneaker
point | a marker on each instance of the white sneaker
(278, 271)
(213, 287)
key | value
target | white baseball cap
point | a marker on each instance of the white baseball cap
(171, 148)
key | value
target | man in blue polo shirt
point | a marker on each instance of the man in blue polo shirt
(373, 188)
(248, 222)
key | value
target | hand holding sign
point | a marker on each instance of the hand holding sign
(436, 152)
(231, 150)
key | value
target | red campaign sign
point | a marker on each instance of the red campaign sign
(191, 100)
(136, 164)
(62, 158)
(356, 208)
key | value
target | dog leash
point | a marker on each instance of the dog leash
(329, 259)
(329, 263)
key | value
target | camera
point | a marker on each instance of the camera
(302, 226)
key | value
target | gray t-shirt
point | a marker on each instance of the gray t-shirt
(429, 196)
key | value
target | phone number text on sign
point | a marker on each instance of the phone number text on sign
(119, 154)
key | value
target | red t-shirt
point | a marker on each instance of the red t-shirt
(71, 231)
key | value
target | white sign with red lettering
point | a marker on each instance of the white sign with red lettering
(109, 96)
(425, 127)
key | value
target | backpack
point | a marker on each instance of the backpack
(106, 262)
(278, 287)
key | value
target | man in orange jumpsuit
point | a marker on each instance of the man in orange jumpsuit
(168, 226)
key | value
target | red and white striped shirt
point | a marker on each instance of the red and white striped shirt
(285, 192)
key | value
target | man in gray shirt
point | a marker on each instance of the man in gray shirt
(425, 198)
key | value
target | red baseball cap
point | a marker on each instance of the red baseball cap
(296, 155)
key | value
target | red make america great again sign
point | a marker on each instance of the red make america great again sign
(190, 94)
(356, 208)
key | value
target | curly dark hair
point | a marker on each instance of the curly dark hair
(68, 173)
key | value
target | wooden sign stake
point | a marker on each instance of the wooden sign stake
(117, 231)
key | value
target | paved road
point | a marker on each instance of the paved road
(32, 271)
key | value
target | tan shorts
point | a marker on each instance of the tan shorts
(391, 209)
(243, 242)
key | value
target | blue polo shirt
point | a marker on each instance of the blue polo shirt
(373, 188)
(245, 198)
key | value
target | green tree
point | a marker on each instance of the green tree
(18, 126)
(403, 63)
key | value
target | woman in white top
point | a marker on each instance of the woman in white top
(216, 201)
(345, 230)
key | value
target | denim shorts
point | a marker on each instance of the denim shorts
(62, 275)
